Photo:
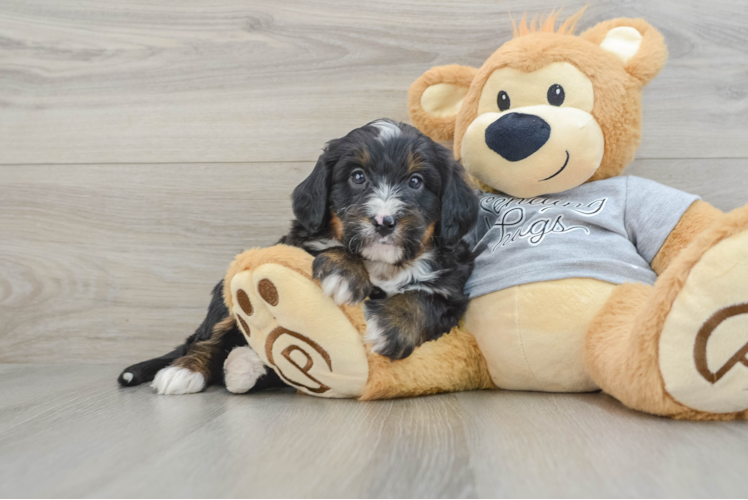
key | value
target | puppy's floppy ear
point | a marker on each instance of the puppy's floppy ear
(435, 99)
(459, 203)
(636, 43)
(309, 199)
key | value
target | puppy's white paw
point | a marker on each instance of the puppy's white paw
(241, 369)
(178, 380)
(375, 335)
(338, 288)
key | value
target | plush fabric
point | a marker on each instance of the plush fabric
(623, 340)
(677, 348)
(452, 363)
(704, 340)
(440, 127)
(532, 336)
(294, 327)
(697, 219)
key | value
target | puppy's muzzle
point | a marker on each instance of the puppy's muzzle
(515, 136)
(384, 225)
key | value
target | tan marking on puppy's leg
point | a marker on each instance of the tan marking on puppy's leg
(191, 373)
(201, 353)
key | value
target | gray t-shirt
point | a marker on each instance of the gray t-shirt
(609, 230)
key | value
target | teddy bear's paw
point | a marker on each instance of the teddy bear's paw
(241, 370)
(251, 313)
(299, 331)
(703, 346)
(178, 380)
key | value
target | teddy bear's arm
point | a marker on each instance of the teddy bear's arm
(699, 216)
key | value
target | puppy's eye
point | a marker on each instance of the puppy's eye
(415, 182)
(503, 101)
(358, 177)
(556, 95)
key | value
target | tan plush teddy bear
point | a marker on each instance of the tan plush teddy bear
(584, 279)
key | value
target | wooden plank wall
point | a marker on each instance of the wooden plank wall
(143, 144)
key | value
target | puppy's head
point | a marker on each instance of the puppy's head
(387, 192)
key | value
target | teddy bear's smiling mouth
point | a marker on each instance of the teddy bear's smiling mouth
(560, 170)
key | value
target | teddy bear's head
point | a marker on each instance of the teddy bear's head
(548, 110)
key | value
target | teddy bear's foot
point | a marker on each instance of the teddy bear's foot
(679, 348)
(703, 347)
(295, 328)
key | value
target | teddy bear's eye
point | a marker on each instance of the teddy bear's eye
(556, 95)
(503, 101)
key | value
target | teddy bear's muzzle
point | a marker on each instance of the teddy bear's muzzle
(533, 150)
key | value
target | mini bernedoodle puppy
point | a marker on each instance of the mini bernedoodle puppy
(384, 213)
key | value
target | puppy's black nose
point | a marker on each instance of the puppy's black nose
(515, 136)
(384, 225)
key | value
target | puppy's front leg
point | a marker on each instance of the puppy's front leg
(398, 324)
(342, 276)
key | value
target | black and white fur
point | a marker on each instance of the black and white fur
(384, 212)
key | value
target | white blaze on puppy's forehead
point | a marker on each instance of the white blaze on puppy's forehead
(387, 130)
(383, 201)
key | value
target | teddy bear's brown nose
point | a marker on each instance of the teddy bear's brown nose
(515, 136)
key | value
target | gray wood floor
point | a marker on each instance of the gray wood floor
(143, 144)
(69, 431)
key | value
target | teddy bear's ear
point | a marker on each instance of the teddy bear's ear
(640, 48)
(435, 99)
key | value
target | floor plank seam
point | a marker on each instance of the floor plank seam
(309, 160)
